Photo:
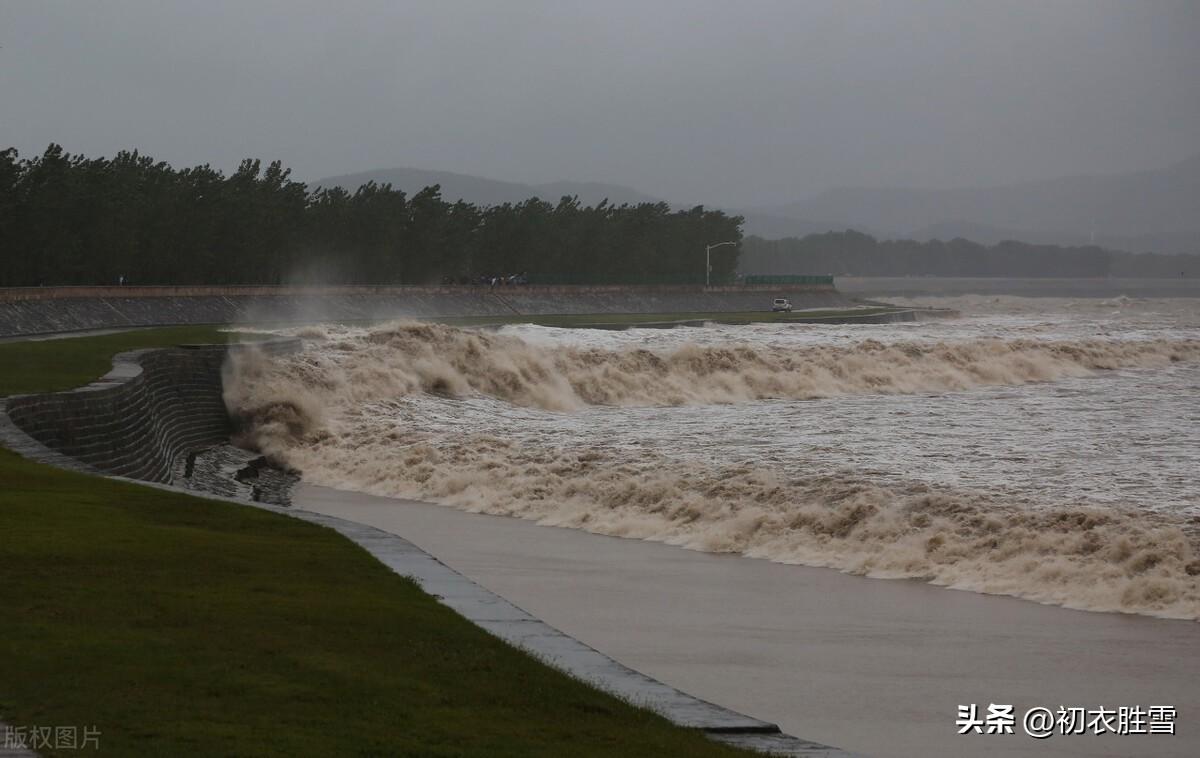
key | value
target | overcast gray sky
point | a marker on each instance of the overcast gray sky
(748, 102)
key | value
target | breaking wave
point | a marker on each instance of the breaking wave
(335, 413)
(410, 358)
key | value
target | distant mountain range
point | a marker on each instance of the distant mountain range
(1156, 210)
(483, 191)
(1143, 211)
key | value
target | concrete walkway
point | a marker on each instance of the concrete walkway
(878, 667)
(517, 627)
(476, 604)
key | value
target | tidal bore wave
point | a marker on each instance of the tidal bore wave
(332, 412)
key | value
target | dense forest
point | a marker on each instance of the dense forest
(68, 219)
(851, 253)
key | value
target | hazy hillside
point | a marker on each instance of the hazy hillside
(590, 193)
(1146, 210)
(856, 254)
(1174, 242)
(482, 191)
(770, 226)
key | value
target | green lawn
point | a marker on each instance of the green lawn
(184, 626)
(60, 364)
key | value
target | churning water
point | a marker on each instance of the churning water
(1047, 449)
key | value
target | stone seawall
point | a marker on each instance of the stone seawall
(157, 406)
(42, 310)
(154, 406)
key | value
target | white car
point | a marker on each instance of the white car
(782, 304)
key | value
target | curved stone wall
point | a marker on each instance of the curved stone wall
(37, 310)
(154, 406)
(159, 405)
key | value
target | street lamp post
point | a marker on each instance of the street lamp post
(708, 261)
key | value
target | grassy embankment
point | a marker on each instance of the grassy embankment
(184, 626)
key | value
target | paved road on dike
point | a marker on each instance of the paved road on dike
(872, 666)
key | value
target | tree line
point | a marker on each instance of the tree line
(851, 253)
(67, 219)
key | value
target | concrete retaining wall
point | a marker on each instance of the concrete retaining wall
(158, 405)
(154, 406)
(38, 310)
